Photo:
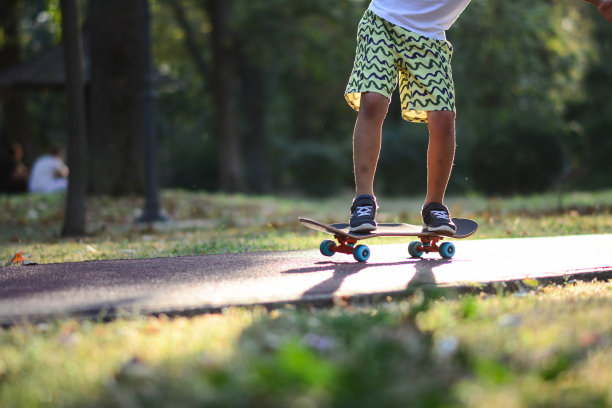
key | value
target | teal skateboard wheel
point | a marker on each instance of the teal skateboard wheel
(447, 250)
(327, 247)
(361, 253)
(413, 249)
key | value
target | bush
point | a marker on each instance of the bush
(402, 168)
(318, 169)
(532, 160)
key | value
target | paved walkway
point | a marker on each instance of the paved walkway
(198, 283)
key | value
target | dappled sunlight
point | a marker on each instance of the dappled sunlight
(534, 346)
(432, 344)
(208, 223)
(96, 359)
(231, 302)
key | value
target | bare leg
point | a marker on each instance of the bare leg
(440, 154)
(367, 140)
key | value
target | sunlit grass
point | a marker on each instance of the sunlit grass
(549, 346)
(85, 356)
(203, 223)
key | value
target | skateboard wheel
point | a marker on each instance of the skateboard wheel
(447, 250)
(361, 253)
(413, 249)
(327, 247)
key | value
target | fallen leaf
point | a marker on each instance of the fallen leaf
(153, 326)
(531, 282)
(18, 258)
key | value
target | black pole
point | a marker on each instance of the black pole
(151, 210)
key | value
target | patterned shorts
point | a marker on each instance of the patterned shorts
(423, 65)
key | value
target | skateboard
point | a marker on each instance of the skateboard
(429, 241)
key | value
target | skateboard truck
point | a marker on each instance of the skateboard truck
(416, 249)
(361, 253)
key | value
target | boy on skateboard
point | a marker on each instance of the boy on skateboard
(406, 39)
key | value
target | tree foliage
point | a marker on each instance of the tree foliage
(517, 66)
(528, 76)
(116, 94)
(589, 114)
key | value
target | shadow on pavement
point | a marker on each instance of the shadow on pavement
(422, 268)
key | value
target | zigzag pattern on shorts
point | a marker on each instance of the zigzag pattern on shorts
(385, 51)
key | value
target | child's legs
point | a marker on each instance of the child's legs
(367, 140)
(427, 95)
(440, 154)
(372, 81)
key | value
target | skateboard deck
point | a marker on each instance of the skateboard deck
(346, 240)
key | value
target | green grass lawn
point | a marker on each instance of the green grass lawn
(204, 223)
(549, 346)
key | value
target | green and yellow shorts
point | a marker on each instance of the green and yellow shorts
(386, 52)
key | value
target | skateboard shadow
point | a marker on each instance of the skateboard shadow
(329, 286)
(422, 269)
(424, 272)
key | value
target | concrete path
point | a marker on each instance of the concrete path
(198, 283)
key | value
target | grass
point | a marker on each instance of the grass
(549, 346)
(204, 223)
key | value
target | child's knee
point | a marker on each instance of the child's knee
(373, 105)
(441, 116)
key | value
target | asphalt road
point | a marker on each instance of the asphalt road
(199, 283)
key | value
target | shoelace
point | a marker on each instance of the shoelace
(364, 211)
(440, 214)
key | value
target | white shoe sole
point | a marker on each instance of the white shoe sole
(443, 228)
(363, 228)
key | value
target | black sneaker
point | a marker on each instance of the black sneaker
(437, 219)
(363, 212)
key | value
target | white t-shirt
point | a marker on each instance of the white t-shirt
(43, 177)
(430, 18)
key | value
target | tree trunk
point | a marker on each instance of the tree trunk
(151, 209)
(74, 217)
(224, 76)
(116, 91)
(254, 101)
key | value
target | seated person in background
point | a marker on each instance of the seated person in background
(13, 173)
(49, 173)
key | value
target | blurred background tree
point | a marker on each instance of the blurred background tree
(26, 29)
(589, 112)
(517, 66)
(115, 96)
(250, 96)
